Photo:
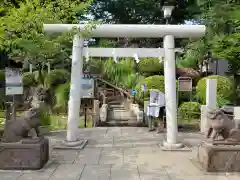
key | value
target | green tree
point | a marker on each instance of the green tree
(140, 11)
(22, 36)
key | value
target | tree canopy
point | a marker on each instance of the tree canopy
(21, 32)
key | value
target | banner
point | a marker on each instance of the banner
(157, 100)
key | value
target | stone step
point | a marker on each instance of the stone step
(117, 106)
(115, 103)
(113, 123)
(120, 114)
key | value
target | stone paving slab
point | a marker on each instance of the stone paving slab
(10, 175)
(64, 156)
(89, 156)
(67, 172)
(112, 156)
(96, 172)
(149, 173)
(123, 173)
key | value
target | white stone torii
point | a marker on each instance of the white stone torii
(168, 32)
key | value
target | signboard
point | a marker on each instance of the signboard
(87, 88)
(13, 78)
(144, 87)
(157, 100)
(185, 84)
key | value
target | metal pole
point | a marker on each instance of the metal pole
(85, 116)
(13, 117)
(143, 109)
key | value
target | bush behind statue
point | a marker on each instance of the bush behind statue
(224, 90)
(56, 77)
(152, 82)
(189, 110)
(150, 67)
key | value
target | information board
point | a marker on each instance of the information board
(185, 84)
(87, 88)
(13, 78)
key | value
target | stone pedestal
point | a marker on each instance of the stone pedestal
(219, 158)
(25, 155)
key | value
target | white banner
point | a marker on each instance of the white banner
(157, 100)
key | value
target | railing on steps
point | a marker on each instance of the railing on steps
(114, 91)
(110, 94)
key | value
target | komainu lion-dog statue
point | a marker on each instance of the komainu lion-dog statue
(21, 147)
(221, 128)
(221, 151)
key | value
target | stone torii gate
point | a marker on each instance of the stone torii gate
(167, 32)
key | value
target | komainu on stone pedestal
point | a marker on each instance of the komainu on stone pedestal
(221, 151)
(27, 155)
(219, 158)
(21, 147)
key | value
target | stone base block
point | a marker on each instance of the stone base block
(25, 155)
(76, 145)
(219, 158)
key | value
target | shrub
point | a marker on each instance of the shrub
(150, 66)
(189, 110)
(45, 118)
(2, 76)
(29, 79)
(56, 77)
(224, 90)
(62, 96)
(2, 79)
(152, 82)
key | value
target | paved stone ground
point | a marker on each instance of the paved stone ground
(121, 153)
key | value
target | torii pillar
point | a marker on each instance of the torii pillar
(168, 32)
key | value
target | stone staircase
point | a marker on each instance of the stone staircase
(119, 115)
(117, 108)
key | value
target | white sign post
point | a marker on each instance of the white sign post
(14, 86)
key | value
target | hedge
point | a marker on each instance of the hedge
(62, 96)
(29, 79)
(189, 110)
(152, 82)
(150, 66)
(56, 77)
(224, 90)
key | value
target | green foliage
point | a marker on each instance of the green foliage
(152, 82)
(189, 110)
(139, 11)
(224, 90)
(195, 52)
(150, 67)
(95, 65)
(61, 96)
(45, 118)
(56, 77)
(228, 47)
(21, 31)
(117, 73)
(29, 80)
(2, 76)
